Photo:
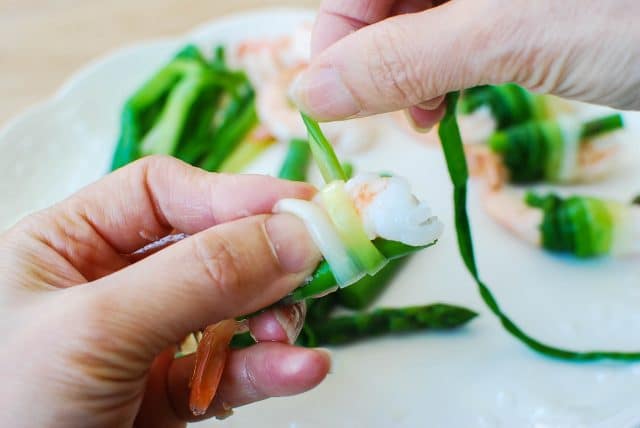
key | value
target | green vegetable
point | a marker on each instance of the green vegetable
(343, 330)
(172, 112)
(246, 152)
(347, 222)
(534, 151)
(297, 161)
(323, 153)
(577, 225)
(348, 329)
(510, 104)
(240, 119)
(457, 166)
(322, 279)
(364, 292)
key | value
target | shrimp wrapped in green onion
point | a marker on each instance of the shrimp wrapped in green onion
(557, 151)
(585, 227)
(486, 109)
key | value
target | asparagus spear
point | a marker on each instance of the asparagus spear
(364, 292)
(351, 328)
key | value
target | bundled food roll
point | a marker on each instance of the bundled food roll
(556, 151)
(582, 226)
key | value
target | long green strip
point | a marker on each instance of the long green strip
(323, 153)
(457, 165)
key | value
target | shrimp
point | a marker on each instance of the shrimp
(211, 357)
(272, 65)
(583, 226)
(278, 114)
(264, 59)
(542, 151)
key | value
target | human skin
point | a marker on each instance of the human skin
(375, 56)
(89, 332)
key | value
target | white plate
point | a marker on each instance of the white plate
(478, 376)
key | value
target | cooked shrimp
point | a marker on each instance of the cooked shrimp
(546, 151)
(265, 59)
(282, 119)
(211, 357)
(583, 226)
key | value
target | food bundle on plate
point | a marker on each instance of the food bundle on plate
(221, 113)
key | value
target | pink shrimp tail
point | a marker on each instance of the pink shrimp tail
(211, 358)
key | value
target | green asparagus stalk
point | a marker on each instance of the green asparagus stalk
(364, 292)
(379, 322)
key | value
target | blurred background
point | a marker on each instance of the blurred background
(42, 42)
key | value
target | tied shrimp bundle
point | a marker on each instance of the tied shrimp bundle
(486, 109)
(557, 151)
(360, 225)
(585, 227)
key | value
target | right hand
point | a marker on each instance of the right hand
(375, 56)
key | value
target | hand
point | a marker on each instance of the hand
(374, 56)
(88, 335)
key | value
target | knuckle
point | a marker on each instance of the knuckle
(394, 70)
(219, 262)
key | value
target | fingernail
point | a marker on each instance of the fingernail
(291, 319)
(328, 354)
(321, 92)
(291, 243)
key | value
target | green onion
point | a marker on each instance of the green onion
(457, 166)
(577, 225)
(323, 153)
(601, 125)
(323, 280)
(296, 162)
(245, 153)
(510, 104)
(345, 218)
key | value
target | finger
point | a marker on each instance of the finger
(280, 324)
(145, 201)
(224, 272)
(337, 18)
(423, 120)
(261, 371)
(405, 60)
(156, 410)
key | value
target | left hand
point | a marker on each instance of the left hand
(89, 334)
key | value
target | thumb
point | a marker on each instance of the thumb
(404, 61)
(223, 272)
